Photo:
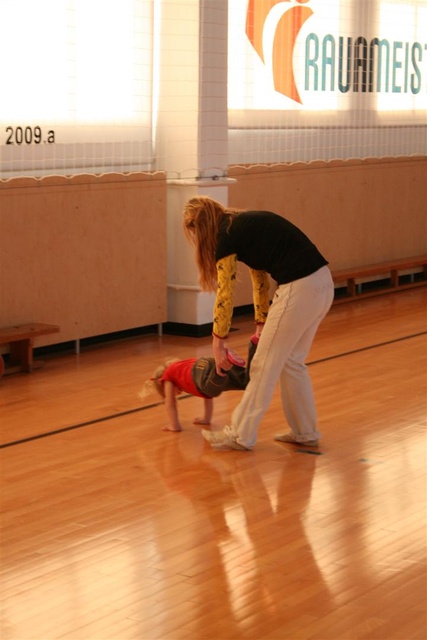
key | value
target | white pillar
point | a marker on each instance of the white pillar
(192, 137)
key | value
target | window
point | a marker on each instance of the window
(76, 84)
(402, 32)
(325, 79)
(320, 60)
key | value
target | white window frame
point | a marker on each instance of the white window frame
(76, 91)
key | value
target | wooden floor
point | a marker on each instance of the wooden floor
(112, 529)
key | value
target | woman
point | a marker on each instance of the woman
(269, 245)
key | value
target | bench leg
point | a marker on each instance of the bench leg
(21, 354)
(351, 287)
(394, 278)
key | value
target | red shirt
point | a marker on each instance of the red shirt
(179, 373)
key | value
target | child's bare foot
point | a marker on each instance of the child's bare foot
(201, 421)
(174, 429)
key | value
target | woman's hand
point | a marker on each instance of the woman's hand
(220, 355)
(259, 328)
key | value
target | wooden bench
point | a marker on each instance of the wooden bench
(392, 270)
(21, 341)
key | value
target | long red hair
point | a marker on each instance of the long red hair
(202, 219)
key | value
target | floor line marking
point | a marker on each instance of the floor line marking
(182, 397)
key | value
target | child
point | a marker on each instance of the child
(198, 377)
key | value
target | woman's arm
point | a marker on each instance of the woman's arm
(223, 309)
(261, 297)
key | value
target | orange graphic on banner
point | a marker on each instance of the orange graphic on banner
(286, 34)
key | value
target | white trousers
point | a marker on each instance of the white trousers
(293, 319)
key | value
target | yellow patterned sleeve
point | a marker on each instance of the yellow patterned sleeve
(261, 297)
(223, 309)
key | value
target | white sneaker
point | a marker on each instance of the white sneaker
(219, 439)
(290, 438)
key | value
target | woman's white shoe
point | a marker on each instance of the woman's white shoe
(289, 437)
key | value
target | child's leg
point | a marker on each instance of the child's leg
(206, 379)
(209, 382)
(236, 379)
(239, 376)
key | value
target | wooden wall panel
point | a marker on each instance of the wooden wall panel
(356, 211)
(87, 253)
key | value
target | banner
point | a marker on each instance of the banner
(328, 56)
